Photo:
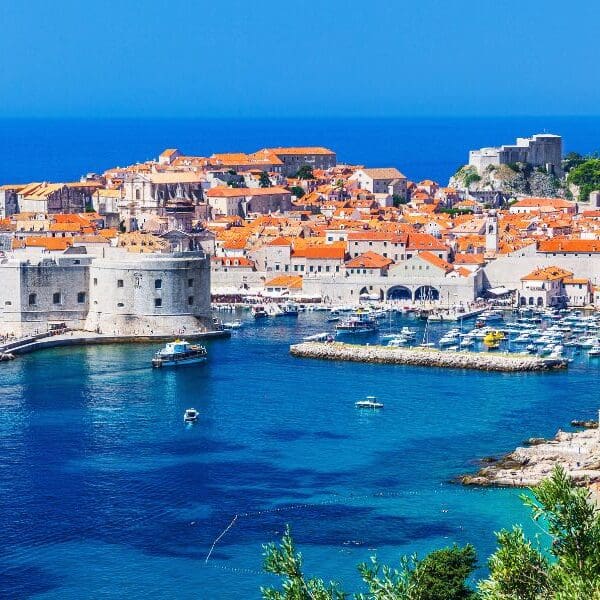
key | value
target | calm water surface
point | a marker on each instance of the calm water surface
(105, 493)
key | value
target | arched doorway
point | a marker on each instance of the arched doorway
(427, 293)
(399, 292)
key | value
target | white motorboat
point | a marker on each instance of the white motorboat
(369, 402)
(178, 353)
(190, 415)
(233, 324)
(594, 350)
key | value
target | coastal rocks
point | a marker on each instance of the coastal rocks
(6, 356)
(578, 453)
(585, 424)
(425, 357)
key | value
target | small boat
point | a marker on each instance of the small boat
(318, 337)
(233, 324)
(369, 402)
(259, 312)
(178, 353)
(594, 350)
(360, 322)
(190, 415)
(333, 319)
(290, 309)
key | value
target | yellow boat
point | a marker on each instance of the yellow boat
(492, 339)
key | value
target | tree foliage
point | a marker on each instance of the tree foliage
(520, 569)
(305, 172)
(586, 176)
(264, 180)
(297, 191)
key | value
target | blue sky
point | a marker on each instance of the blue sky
(278, 59)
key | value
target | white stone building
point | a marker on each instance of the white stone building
(117, 292)
(540, 150)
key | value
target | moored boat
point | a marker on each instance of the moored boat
(178, 353)
(359, 322)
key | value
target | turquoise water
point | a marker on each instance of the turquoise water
(105, 493)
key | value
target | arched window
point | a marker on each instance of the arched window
(138, 194)
(540, 301)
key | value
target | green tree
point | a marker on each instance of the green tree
(568, 515)
(297, 191)
(264, 180)
(305, 172)
(586, 176)
(283, 560)
(572, 160)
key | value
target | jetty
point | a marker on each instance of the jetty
(87, 338)
(425, 357)
(578, 453)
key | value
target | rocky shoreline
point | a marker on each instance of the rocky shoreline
(577, 452)
(425, 357)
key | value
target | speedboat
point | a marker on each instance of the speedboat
(233, 324)
(178, 353)
(369, 402)
(190, 415)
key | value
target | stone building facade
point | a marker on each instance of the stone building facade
(540, 150)
(118, 292)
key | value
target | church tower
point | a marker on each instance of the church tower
(491, 231)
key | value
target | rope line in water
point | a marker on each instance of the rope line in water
(334, 500)
(220, 536)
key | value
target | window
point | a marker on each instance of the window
(120, 304)
(157, 284)
(56, 298)
(119, 283)
(157, 302)
(95, 281)
(190, 283)
(81, 297)
(77, 262)
(190, 300)
(32, 299)
(138, 194)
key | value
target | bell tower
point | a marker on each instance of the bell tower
(491, 231)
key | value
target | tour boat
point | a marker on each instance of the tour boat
(190, 415)
(359, 322)
(178, 353)
(259, 312)
(369, 402)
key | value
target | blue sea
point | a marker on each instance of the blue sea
(433, 148)
(105, 493)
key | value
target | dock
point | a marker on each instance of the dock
(87, 338)
(425, 357)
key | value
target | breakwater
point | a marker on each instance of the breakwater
(424, 357)
(86, 338)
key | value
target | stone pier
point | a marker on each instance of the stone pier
(425, 357)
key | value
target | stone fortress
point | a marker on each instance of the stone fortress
(541, 150)
(115, 292)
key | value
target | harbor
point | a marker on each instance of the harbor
(424, 357)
